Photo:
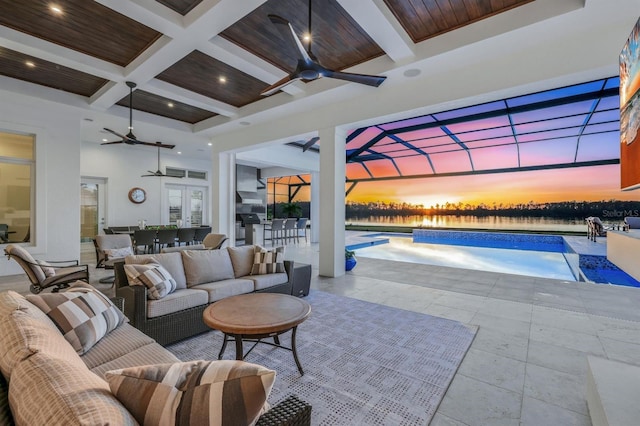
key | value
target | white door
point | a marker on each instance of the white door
(186, 204)
(92, 207)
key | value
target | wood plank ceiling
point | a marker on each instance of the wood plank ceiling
(103, 33)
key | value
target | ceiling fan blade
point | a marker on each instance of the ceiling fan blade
(286, 29)
(310, 143)
(369, 80)
(280, 84)
(157, 144)
(123, 137)
(110, 143)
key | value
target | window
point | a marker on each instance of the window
(17, 169)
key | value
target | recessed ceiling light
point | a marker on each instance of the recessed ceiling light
(413, 72)
(90, 120)
(30, 64)
(245, 123)
(210, 144)
(105, 140)
(179, 152)
(170, 104)
(306, 37)
(55, 9)
(222, 79)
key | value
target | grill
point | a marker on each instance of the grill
(249, 219)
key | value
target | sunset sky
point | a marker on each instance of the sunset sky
(580, 184)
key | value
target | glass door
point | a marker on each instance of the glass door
(92, 201)
(186, 205)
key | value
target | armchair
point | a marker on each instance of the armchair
(111, 249)
(44, 274)
(214, 241)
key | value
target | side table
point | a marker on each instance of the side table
(301, 279)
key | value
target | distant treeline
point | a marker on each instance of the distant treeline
(610, 209)
(605, 209)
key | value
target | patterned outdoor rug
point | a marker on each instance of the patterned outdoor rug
(364, 363)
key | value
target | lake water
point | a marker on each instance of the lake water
(474, 222)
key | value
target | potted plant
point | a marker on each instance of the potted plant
(291, 209)
(349, 259)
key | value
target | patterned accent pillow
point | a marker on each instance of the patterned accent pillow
(48, 270)
(83, 315)
(195, 392)
(158, 280)
(118, 252)
(267, 261)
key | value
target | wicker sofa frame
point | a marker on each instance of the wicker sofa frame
(179, 325)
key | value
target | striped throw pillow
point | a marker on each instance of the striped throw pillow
(82, 314)
(267, 261)
(158, 280)
(195, 392)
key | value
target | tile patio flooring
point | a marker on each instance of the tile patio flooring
(527, 364)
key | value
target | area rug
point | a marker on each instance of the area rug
(364, 363)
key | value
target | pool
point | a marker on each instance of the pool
(508, 261)
(545, 256)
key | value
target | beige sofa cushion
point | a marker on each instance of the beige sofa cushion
(205, 266)
(152, 353)
(11, 301)
(23, 335)
(119, 342)
(177, 301)
(268, 280)
(173, 394)
(172, 262)
(50, 391)
(242, 260)
(220, 289)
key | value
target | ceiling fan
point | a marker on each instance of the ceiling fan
(308, 144)
(308, 67)
(158, 173)
(130, 138)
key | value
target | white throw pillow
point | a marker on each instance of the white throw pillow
(118, 252)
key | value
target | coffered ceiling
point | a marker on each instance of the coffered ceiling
(204, 63)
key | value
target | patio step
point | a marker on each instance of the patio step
(612, 392)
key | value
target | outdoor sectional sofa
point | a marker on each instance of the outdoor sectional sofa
(202, 277)
(47, 380)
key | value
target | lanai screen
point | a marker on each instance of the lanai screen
(572, 126)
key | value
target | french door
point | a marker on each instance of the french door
(92, 207)
(186, 205)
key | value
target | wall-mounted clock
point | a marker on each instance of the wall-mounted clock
(137, 195)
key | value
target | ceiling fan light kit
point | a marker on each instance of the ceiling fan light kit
(308, 68)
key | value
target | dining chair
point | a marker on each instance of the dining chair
(277, 230)
(301, 225)
(289, 229)
(201, 233)
(166, 238)
(186, 236)
(144, 238)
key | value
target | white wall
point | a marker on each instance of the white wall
(56, 233)
(122, 167)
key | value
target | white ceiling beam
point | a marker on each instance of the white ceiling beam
(149, 13)
(204, 22)
(382, 26)
(235, 56)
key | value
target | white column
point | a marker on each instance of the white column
(314, 215)
(223, 200)
(332, 186)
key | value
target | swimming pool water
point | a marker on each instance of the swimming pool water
(527, 262)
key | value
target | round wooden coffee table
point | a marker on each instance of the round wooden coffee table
(256, 316)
